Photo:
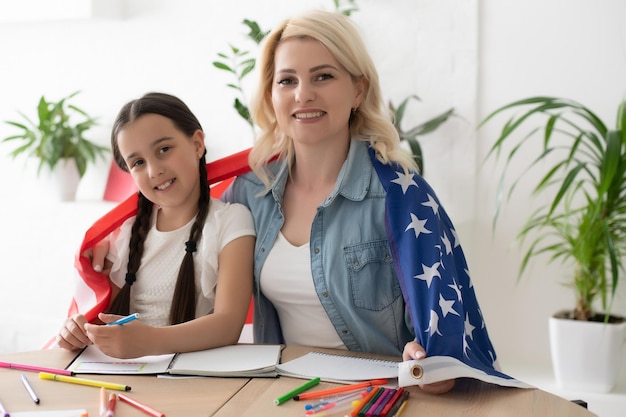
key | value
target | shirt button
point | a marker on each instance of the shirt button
(344, 331)
(387, 257)
(316, 250)
(357, 263)
(325, 294)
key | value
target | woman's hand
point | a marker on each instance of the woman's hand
(414, 350)
(97, 254)
(72, 335)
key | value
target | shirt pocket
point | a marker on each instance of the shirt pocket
(373, 282)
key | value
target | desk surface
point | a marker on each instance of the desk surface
(240, 397)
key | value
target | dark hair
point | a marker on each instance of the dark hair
(184, 300)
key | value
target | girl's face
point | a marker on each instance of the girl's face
(163, 161)
(312, 94)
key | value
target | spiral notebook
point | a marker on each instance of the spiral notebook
(243, 360)
(338, 368)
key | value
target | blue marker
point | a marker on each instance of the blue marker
(124, 320)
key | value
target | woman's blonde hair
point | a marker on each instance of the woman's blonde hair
(370, 122)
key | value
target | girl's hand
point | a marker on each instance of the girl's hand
(414, 350)
(125, 341)
(72, 335)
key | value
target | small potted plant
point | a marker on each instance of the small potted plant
(57, 141)
(583, 225)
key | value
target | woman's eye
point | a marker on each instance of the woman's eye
(285, 81)
(322, 77)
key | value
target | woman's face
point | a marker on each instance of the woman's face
(163, 161)
(312, 94)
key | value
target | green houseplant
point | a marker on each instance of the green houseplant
(57, 137)
(410, 136)
(584, 222)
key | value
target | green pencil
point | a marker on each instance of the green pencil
(301, 388)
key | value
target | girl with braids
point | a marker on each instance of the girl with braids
(184, 261)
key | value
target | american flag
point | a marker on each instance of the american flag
(433, 272)
(428, 258)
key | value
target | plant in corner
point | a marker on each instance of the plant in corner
(583, 225)
(57, 138)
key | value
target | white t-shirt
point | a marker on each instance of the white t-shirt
(287, 281)
(152, 292)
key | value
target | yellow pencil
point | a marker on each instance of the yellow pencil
(81, 381)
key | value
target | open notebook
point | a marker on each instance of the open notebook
(242, 360)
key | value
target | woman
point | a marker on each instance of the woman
(326, 271)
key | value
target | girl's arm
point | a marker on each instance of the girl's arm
(223, 327)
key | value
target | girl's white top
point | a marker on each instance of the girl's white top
(152, 292)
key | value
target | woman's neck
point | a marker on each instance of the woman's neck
(316, 167)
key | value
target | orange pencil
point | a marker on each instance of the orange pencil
(337, 390)
(355, 411)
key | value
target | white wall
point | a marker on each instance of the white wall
(568, 48)
(471, 55)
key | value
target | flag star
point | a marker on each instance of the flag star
(432, 204)
(456, 289)
(446, 306)
(429, 273)
(433, 324)
(468, 327)
(457, 242)
(446, 243)
(404, 180)
(417, 225)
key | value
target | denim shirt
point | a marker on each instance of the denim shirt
(351, 262)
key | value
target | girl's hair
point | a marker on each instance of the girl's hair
(371, 122)
(184, 301)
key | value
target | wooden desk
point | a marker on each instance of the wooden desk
(242, 397)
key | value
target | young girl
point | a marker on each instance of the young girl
(184, 262)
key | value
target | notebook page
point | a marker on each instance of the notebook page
(337, 368)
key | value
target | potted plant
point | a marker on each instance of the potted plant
(57, 141)
(583, 225)
(410, 135)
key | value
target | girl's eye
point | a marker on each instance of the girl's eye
(164, 149)
(136, 163)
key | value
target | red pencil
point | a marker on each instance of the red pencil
(392, 402)
(110, 409)
(146, 409)
(332, 391)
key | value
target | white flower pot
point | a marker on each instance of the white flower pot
(62, 182)
(586, 355)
